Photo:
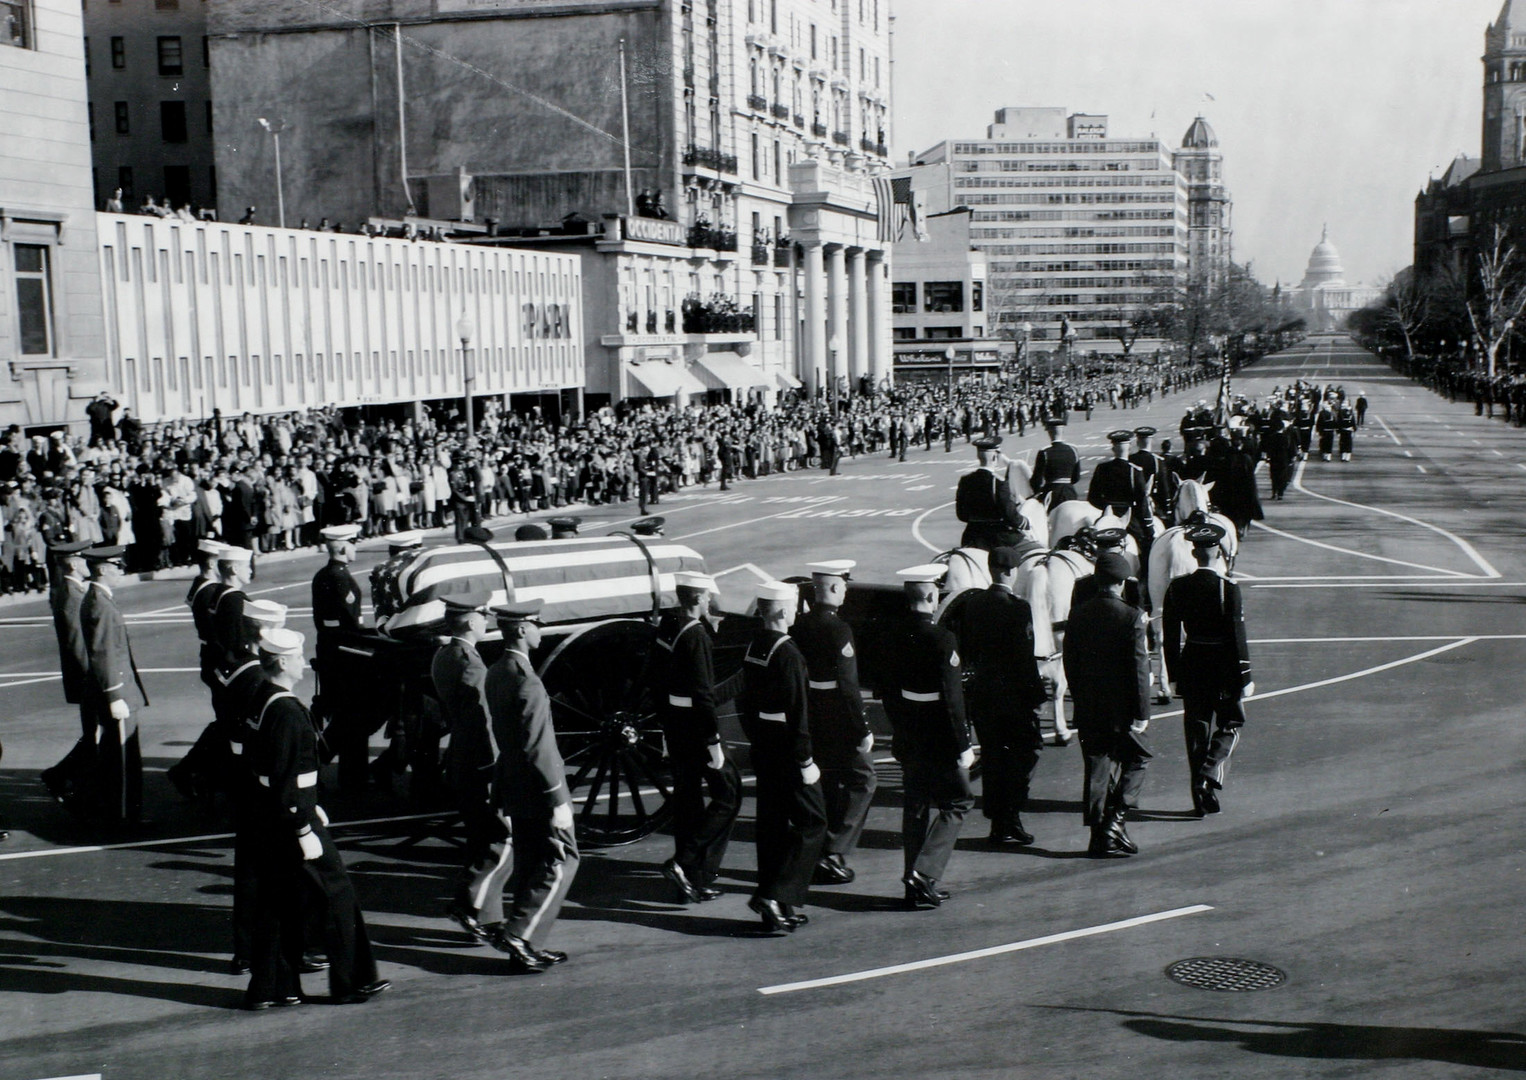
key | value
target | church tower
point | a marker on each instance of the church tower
(1504, 144)
(1209, 205)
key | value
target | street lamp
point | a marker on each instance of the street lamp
(834, 343)
(465, 328)
(275, 127)
(948, 354)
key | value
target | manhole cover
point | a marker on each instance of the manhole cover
(1226, 974)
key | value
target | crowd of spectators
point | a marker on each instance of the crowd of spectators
(270, 482)
(152, 207)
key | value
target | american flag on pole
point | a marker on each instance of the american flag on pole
(896, 209)
(1221, 408)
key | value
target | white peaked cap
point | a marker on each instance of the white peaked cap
(402, 540)
(778, 590)
(837, 567)
(281, 642)
(926, 573)
(340, 532)
(688, 579)
(267, 612)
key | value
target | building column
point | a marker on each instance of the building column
(837, 311)
(814, 347)
(858, 326)
(879, 363)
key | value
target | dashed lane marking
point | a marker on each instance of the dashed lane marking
(1421, 468)
(981, 954)
(1386, 428)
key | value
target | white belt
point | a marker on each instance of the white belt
(307, 779)
(236, 747)
(680, 702)
(328, 622)
(264, 781)
(777, 717)
(829, 684)
(912, 695)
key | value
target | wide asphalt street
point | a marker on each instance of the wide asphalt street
(1370, 846)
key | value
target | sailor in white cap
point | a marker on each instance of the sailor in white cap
(282, 754)
(840, 735)
(336, 612)
(707, 789)
(228, 633)
(207, 551)
(791, 818)
(399, 542)
(924, 700)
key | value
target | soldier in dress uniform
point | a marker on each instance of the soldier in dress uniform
(1119, 483)
(336, 612)
(1004, 694)
(840, 735)
(1211, 672)
(1107, 663)
(460, 681)
(1303, 426)
(985, 501)
(1194, 464)
(299, 866)
(401, 549)
(925, 703)
(65, 780)
(1278, 447)
(791, 816)
(1324, 424)
(1160, 481)
(1057, 467)
(564, 528)
(202, 766)
(230, 634)
(117, 781)
(1345, 430)
(707, 789)
(530, 791)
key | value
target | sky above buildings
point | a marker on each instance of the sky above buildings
(1331, 111)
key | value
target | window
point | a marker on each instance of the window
(757, 158)
(904, 333)
(212, 184)
(16, 23)
(172, 121)
(209, 118)
(977, 296)
(118, 53)
(87, 58)
(778, 316)
(206, 51)
(943, 333)
(124, 181)
(903, 297)
(34, 300)
(813, 41)
(943, 296)
(90, 112)
(778, 164)
(171, 56)
(123, 126)
(177, 185)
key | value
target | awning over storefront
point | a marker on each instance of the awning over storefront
(728, 371)
(786, 381)
(662, 380)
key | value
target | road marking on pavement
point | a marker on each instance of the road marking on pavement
(1408, 453)
(1420, 467)
(981, 954)
(1359, 554)
(1406, 582)
(763, 575)
(1401, 637)
(916, 527)
(1497, 453)
(1519, 465)
(1386, 428)
(736, 524)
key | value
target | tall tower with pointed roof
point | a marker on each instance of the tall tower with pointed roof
(1504, 143)
(1209, 206)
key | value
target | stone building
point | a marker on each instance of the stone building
(938, 303)
(1210, 208)
(51, 332)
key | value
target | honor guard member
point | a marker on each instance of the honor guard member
(1160, 481)
(460, 681)
(529, 532)
(840, 735)
(1056, 467)
(791, 817)
(202, 767)
(401, 549)
(117, 788)
(925, 703)
(1003, 695)
(985, 502)
(564, 528)
(1324, 424)
(67, 779)
(649, 527)
(1118, 482)
(229, 632)
(1211, 672)
(530, 791)
(1303, 427)
(1107, 663)
(707, 789)
(1194, 464)
(336, 612)
(299, 867)
(1345, 430)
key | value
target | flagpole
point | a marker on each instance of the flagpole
(625, 141)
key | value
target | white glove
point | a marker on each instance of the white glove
(810, 774)
(1139, 728)
(867, 746)
(119, 710)
(312, 847)
(322, 816)
(1250, 689)
(967, 758)
(717, 756)
(561, 817)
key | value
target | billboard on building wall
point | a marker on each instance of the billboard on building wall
(532, 7)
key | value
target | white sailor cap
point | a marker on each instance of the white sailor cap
(403, 541)
(778, 590)
(689, 579)
(265, 612)
(335, 533)
(926, 573)
(208, 546)
(281, 642)
(235, 554)
(833, 567)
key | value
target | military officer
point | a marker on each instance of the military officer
(65, 780)
(336, 612)
(1004, 694)
(707, 789)
(1345, 430)
(299, 863)
(460, 679)
(1211, 672)
(1057, 467)
(1118, 482)
(565, 528)
(924, 700)
(118, 772)
(985, 502)
(1160, 481)
(840, 735)
(1107, 663)
(531, 793)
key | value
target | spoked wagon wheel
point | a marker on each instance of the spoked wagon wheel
(607, 730)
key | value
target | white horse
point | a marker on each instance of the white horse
(968, 568)
(1046, 579)
(1171, 556)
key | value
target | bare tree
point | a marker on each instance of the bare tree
(1499, 301)
(1406, 306)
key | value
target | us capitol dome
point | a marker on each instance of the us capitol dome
(1323, 297)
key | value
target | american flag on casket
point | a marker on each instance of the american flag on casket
(580, 580)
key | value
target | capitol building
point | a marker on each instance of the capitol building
(1323, 297)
